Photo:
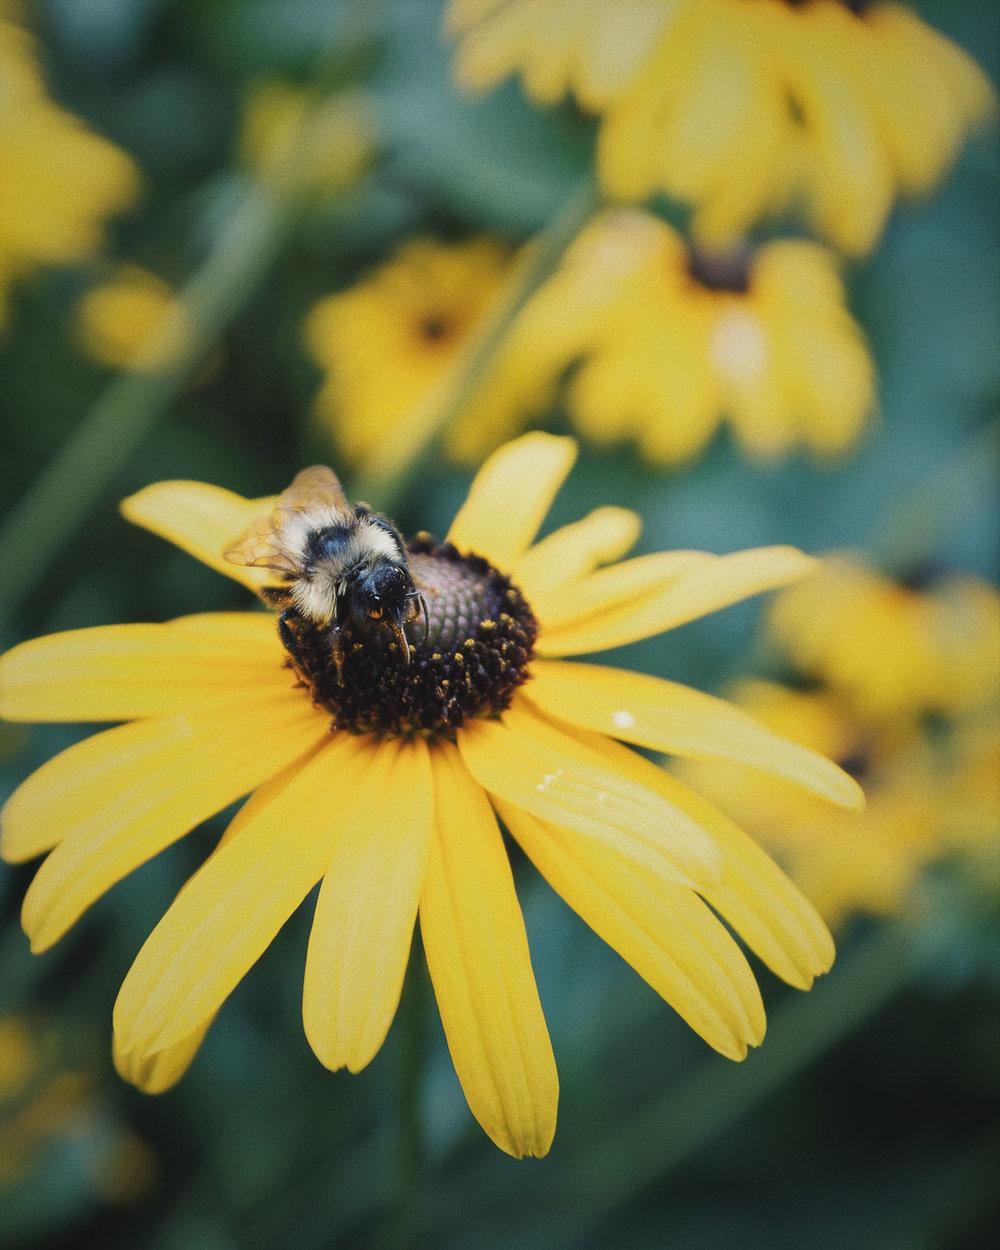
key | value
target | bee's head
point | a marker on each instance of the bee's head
(383, 595)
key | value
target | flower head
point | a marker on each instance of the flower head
(116, 319)
(380, 771)
(675, 342)
(386, 342)
(893, 649)
(742, 109)
(904, 688)
(60, 181)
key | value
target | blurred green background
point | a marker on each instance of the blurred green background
(869, 1116)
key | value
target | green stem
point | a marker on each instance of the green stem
(81, 471)
(385, 479)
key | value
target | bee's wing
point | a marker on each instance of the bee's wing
(315, 487)
(262, 544)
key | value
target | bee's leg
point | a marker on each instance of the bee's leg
(337, 648)
(289, 640)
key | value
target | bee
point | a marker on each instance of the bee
(338, 565)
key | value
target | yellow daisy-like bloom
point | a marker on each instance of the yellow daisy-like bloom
(924, 801)
(117, 319)
(675, 343)
(386, 343)
(384, 780)
(743, 108)
(289, 139)
(60, 181)
(890, 649)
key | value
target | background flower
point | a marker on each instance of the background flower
(742, 110)
(60, 180)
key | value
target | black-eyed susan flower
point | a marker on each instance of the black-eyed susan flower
(387, 342)
(314, 147)
(60, 180)
(890, 648)
(49, 1101)
(904, 690)
(675, 342)
(383, 780)
(117, 319)
(930, 795)
(742, 108)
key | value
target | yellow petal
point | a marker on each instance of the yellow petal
(119, 672)
(667, 716)
(477, 954)
(156, 1073)
(115, 800)
(367, 907)
(614, 586)
(201, 519)
(709, 585)
(570, 552)
(548, 773)
(755, 897)
(231, 909)
(665, 932)
(510, 496)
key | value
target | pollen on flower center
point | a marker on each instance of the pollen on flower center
(466, 659)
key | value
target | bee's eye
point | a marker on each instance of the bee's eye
(375, 613)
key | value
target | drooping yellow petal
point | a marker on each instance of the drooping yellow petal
(113, 801)
(665, 932)
(119, 672)
(545, 771)
(231, 909)
(755, 897)
(201, 519)
(367, 907)
(710, 585)
(156, 1073)
(670, 717)
(510, 496)
(477, 954)
(574, 550)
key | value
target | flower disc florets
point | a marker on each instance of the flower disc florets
(466, 659)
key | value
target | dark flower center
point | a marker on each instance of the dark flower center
(466, 659)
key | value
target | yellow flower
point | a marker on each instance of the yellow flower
(288, 138)
(743, 109)
(387, 342)
(890, 649)
(925, 799)
(45, 1104)
(674, 343)
(384, 781)
(116, 320)
(60, 181)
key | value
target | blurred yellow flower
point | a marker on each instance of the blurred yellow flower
(893, 650)
(386, 343)
(674, 343)
(47, 1099)
(290, 138)
(384, 782)
(60, 182)
(116, 320)
(743, 109)
(928, 794)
